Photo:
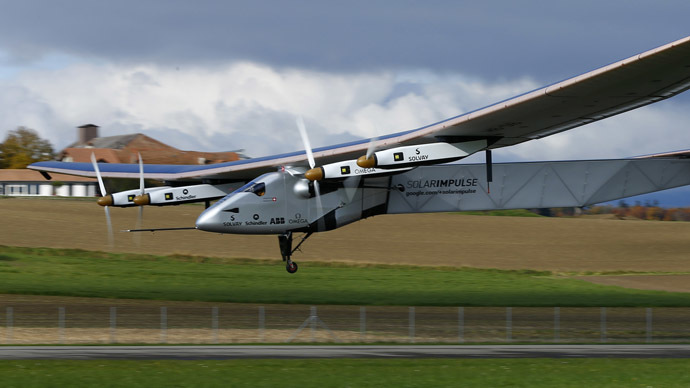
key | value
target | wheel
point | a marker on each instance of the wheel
(291, 266)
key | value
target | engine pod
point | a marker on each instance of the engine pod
(423, 154)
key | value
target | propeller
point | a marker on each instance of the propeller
(106, 200)
(371, 147)
(351, 184)
(368, 160)
(140, 216)
(141, 199)
(314, 174)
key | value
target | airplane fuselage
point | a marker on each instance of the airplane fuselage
(270, 204)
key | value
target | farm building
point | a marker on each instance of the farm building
(110, 149)
(127, 148)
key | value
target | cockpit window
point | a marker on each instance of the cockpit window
(258, 188)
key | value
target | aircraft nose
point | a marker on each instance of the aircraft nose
(208, 220)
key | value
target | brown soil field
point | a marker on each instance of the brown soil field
(554, 244)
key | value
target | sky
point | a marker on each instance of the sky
(228, 75)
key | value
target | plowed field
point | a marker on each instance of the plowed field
(555, 244)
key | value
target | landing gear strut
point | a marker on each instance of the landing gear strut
(285, 242)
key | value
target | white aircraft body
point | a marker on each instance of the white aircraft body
(407, 172)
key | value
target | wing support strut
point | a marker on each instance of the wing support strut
(489, 171)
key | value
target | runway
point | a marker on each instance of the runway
(351, 351)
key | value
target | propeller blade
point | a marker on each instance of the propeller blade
(98, 174)
(142, 191)
(305, 141)
(319, 204)
(109, 223)
(140, 221)
(372, 147)
(310, 156)
(141, 175)
(368, 160)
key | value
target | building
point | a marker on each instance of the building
(112, 149)
(126, 148)
(24, 182)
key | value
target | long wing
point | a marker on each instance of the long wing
(619, 87)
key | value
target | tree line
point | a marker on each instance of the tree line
(649, 210)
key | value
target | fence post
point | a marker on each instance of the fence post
(649, 324)
(411, 319)
(556, 324)
(461, 324)
(603, 324)
(61, 324)
(262, 320)
(164, 324)
(9, 316)
(362, 323)
(214, 323)
(509, 324)
(113, 325)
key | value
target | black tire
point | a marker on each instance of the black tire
(291, 267)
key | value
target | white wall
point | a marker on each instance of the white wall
(62, 191)
(45, 189)
(78, 190)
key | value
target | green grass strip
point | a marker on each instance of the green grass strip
(629, 373)
(42, 271)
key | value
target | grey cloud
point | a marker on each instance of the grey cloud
(549, 39)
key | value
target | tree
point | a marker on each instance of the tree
(22, 147)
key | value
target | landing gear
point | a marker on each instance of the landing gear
(291, 266)
(286, 251)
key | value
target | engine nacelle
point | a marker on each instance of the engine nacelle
(345, 169)
(419, 155)
(185, 194)
(126, 198)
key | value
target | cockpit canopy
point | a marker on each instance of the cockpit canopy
(258, 188)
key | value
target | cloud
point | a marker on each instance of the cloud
(253, 106)
(481, 38)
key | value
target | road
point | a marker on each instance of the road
(351, 351)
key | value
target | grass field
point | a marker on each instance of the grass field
(535, 259)
(43, 271)
(628, 373)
